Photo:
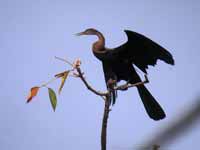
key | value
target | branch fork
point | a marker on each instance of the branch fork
(105, 95)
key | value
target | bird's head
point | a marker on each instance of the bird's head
(89, 31)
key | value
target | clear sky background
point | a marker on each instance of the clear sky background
(33, 32)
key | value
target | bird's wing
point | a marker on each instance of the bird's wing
(141, 51)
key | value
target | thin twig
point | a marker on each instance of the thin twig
(64, 60)
(50, 81)
(126, 86)
(88, 86)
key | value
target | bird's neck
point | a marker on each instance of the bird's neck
(99, 45)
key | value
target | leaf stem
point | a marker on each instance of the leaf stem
(50, 81)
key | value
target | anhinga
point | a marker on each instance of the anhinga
(118, 64)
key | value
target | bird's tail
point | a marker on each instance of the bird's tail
(153, 109)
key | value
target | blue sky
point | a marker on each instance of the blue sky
(33, 32)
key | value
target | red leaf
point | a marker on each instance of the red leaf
(33, 93)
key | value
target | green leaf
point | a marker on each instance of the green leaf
(53, 99)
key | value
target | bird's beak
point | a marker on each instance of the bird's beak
(79, 34)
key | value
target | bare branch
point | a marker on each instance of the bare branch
(127, 85)
(105, 95)
(88, 86)
(104, 124)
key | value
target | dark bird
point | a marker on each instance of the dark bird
(118, 64)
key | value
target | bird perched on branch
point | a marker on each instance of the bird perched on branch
(118, 64)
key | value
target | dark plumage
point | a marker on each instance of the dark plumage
(118, 64)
